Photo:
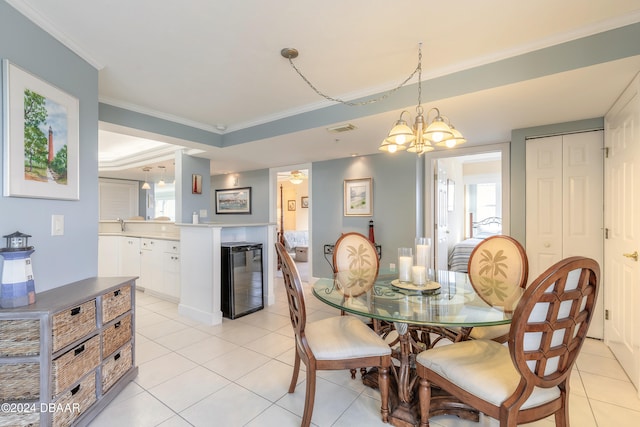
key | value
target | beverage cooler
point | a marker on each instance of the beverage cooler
(241, 278)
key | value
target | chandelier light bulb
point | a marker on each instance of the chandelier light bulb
(450, 143)
(437, 136)
(393, 148)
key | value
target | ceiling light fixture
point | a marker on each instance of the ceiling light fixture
(296, 177)
(145, 185)
(424, 134)
(419, 139)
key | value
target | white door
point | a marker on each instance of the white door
(441, 217)
(565, 204)
(622, 210)
(543, 203)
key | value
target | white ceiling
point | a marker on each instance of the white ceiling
(216, 66)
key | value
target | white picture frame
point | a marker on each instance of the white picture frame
(358, 197)
(41, 137)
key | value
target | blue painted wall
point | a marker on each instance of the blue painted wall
(57, 259)
(258, 180)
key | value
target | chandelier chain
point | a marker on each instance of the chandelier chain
(361, 103)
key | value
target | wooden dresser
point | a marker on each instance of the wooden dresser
(64, 358)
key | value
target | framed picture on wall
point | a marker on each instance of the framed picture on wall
(304, 202)
(196, 184)
(358, 197)
(41, 152)
(291, 205)
(233, 201)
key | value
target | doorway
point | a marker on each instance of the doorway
(466, 186)
(290, 206)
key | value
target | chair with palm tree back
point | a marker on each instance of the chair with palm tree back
(334, 343)
(355, 264)
(498, 268)
(529, 379)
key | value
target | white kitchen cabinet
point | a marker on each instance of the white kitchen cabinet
(151, 251)
(156, 263)
(129, 256)
(171, 269)
(108, 256)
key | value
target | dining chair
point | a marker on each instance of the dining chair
(498, 270)
(355, 264)
(529, 379)
(334, 343)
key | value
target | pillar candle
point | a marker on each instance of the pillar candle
(404, 268)
(419, 274)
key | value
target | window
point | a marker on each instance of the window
(165, 200)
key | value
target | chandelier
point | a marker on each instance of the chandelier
(424, 134)
(422, 137)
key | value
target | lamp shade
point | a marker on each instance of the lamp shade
(391, 147)
(146, 186)
(438, 130)
(456, 139)
(400, 134)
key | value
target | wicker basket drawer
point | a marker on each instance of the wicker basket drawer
(72, 365)
(116, 366)
(74, 402)
(116, 335)
(72, 324)
(116, 303)
(17, 419)
(19, 381)
(19, 337)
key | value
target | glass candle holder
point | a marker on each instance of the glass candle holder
(405, 262)
(423, 251)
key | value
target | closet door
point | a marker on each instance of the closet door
(565, 204)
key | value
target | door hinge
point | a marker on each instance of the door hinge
(606, 233)
(606, 315)
(606, 152)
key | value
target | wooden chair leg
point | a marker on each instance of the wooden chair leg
(363, 372)
(424, 394)
(309, 397)
(383, 386)
(296, 370)
(353, 373)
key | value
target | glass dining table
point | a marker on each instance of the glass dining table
(413, 318)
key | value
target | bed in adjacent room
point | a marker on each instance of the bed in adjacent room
(460, 252)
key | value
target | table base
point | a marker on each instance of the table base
(407, 414)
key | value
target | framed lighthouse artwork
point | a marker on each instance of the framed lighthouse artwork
(41, 137)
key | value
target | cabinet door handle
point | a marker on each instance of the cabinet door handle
(116, 293)
(75, 311)
(116, 357)
(117, 325)
(78, 350)
(75, 390)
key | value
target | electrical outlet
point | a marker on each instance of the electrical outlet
(392, 267)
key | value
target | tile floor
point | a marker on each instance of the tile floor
(237, 374)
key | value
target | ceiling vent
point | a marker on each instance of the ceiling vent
(342, 128)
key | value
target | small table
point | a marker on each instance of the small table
(421, 319)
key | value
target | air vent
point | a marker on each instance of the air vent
(342, 128)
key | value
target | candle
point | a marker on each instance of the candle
(423, 245)
(404, 268)
(419, 274)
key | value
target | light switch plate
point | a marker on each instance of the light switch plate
(203, 213)
(57, 225)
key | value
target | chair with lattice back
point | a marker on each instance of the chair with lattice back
(529, 379)
(498, 270)
(334, 343)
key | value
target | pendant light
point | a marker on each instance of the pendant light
(145, 185)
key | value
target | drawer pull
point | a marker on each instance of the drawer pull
(78, 350)
(117, 324)
(75, 390)
(116, 357)
(117, 293)
(75, 311)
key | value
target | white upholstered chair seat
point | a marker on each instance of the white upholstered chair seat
(484, 369)
(489, 332)
(344, 337)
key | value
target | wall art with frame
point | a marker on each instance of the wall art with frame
(358, 197)
(41, 137)
(233, 201)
